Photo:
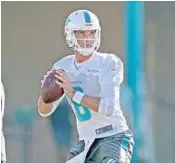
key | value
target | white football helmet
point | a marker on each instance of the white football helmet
(82, 20)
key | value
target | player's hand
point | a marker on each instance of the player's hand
(65, 83)
(47, 73)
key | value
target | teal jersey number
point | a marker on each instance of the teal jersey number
(82, 112)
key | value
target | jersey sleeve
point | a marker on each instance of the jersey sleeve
(54, 106)
(110, 79)
(57, 65)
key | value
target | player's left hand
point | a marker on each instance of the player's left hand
(65, 83)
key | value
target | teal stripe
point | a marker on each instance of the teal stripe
(87, 17)
(125, 143)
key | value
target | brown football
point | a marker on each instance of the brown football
(50, 91)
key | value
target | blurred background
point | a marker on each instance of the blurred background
(141, 34)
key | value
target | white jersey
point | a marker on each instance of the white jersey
(2, 147)
(100, 76)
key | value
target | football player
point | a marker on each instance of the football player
(91, 82)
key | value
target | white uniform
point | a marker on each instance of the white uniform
(100, 76)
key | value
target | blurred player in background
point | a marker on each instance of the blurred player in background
(3, 151)
(91, 82)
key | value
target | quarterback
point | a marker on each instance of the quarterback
(91, 82)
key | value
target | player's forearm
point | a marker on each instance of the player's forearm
(88, 101)
(97, 104)
(44, 108)
(91, 102)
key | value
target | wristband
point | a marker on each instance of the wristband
(78, 97)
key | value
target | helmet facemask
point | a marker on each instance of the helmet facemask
(86, 46)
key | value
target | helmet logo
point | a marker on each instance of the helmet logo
(68, 21)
